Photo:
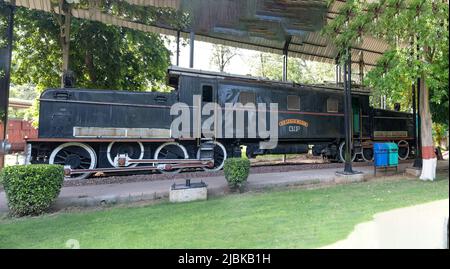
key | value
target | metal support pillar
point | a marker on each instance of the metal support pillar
(348, 169)
(285, 57)
(178, 48)
(414, 102)
(361, 68)
(338, 72)
(417, 121)
(191, 45)
(416, 141)
(285, 63)
(418, 158)
(6, 38)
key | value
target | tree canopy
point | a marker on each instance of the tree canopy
(417, 32)
(101, 56)
(222, 56)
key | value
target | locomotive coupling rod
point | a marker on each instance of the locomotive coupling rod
(122, 160)
(167, 167)
(69, 171)
(178, 161)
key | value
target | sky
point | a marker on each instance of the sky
(202, 56)
(239, 65)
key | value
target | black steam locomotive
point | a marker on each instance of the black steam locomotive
(110, 131)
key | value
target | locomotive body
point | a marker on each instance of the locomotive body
(87, 129)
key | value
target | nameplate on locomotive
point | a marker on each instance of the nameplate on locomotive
(294, 125)
(293, 122)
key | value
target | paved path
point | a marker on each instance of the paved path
(151, 190)
(417, 227)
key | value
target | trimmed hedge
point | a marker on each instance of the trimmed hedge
(236, 171)
(31, 189)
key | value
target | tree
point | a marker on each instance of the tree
(37, 56)
(417, 32)
(24, 92)
(102, 56)
(222, 55)
(64, 19)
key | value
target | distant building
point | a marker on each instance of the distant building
(18, 129)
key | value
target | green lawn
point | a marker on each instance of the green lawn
(295, 218)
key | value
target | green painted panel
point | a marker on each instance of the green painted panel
(356, 118)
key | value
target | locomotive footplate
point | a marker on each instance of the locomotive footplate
(122, 161)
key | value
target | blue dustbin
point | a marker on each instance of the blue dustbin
(381, 152)
(393, 154)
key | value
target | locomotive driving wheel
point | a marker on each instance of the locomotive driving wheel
(342, 153)
(367, 154)
(134, 150)
(403, 150)
(171, 151)
(220, 155)
(75, 155)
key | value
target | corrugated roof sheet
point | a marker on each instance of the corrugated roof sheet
(254, 25)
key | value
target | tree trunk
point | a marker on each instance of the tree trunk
(428, 154)
(222, 59)
(89, 62)
(65, 42)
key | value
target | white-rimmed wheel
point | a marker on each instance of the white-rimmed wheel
(342, 153)
(367, 154)
(171, 151)
(134, 150)
(220, 155)
(403, 150)
(75, 155)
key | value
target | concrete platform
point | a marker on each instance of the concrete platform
(349, 178)
(415, 172)
(98, 195)
(188, 195)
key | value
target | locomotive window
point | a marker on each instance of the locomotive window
(247, 98)
(207, 94)
(332, 105)
(293, 102)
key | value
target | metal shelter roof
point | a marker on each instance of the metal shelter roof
(261, 25)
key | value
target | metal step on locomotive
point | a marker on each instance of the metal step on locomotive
(91, 131)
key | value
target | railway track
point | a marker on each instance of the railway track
(257, 168)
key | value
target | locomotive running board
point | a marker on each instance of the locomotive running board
(165, 165)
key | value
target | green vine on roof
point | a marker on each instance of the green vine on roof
(398, 22)
(416, 32)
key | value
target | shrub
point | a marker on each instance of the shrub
(31, 189)
(236, 171)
